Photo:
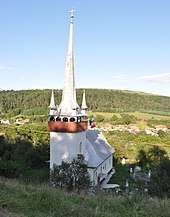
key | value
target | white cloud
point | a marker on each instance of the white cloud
(119, 78)
(156, 79)
(6, 68)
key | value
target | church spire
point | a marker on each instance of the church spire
(69, 104)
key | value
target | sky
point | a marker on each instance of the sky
(118, 44)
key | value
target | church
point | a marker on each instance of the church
(70, 134)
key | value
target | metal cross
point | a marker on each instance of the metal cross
(72, 11)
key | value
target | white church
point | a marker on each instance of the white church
(70, 134)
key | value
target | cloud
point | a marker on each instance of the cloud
(119, 78)
(6, 68)
(156, 79)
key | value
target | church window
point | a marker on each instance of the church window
(58, 119)
(52, 118)
(65, 119)
(72, 119)
(80, 147)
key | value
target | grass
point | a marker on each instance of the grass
(139, 115)
(45, 201)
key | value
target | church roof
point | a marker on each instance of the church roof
(97, 148)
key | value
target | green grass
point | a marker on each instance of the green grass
(139, 115)
(44, 201)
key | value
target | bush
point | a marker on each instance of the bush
(72, 176)
(160, 180)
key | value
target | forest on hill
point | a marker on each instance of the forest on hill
(30, 102)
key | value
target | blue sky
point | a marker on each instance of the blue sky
(121, 44)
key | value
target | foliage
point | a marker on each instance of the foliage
(71, 176)
(160, 180)
(152, 122)
(35, 102)
(99, 118)
(151, 158)
(128, 119)
(22, 150)
(127, 144)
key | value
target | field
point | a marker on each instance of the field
(139, 115)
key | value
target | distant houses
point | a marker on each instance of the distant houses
(18, 121)
(133, 128)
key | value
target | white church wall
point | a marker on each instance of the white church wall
(102, 170)
(91, 173)
(66, 146)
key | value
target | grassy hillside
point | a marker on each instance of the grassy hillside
(44, 201)
(30, 102)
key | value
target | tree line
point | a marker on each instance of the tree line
(36, 102)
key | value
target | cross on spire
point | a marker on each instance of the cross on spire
(72, 11)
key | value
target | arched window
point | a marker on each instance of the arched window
(65, 119)
(52, 118)
(72, 119)
(58, 119)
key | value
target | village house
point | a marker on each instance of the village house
(4, 121)
(161, 127)
(21, 121)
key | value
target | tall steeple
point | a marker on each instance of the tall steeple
(68, 117)
(68, 105)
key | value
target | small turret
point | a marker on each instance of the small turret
(84, 106)
(52, 105)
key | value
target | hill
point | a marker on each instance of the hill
(30, 102)
(42, 201)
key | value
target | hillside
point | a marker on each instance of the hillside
(29, 102)
(43, 201)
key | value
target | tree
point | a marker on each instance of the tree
(99, 118)
(160, 180)
(142, 159)
(161, 133)
(80, 173)
(72, 176)
(155, 155)
(151, 158)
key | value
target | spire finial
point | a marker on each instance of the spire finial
(72, 11)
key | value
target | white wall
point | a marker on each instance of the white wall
(66, 146)
(103, 168)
